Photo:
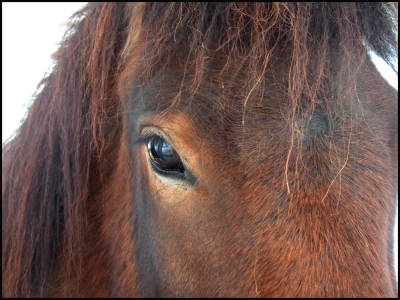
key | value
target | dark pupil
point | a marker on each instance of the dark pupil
(163, 155)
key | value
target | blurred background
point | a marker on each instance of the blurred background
(31, 33)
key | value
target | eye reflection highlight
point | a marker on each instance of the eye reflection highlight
(163, 155)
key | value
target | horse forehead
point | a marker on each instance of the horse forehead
(219, 100)
(209, 112)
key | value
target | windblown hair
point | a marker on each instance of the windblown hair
(60, 159)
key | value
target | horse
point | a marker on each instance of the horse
(208, 150)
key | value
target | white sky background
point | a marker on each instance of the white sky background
(31, 33)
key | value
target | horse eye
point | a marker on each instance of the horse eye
(163, 156)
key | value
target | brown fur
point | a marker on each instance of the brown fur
(277, 110)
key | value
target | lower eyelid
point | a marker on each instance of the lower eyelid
(186, 178)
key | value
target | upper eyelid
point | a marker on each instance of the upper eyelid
(142, 140)
(146, 136)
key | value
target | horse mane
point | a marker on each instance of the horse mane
(59, 159)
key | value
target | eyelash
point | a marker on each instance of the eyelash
(145, 138)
